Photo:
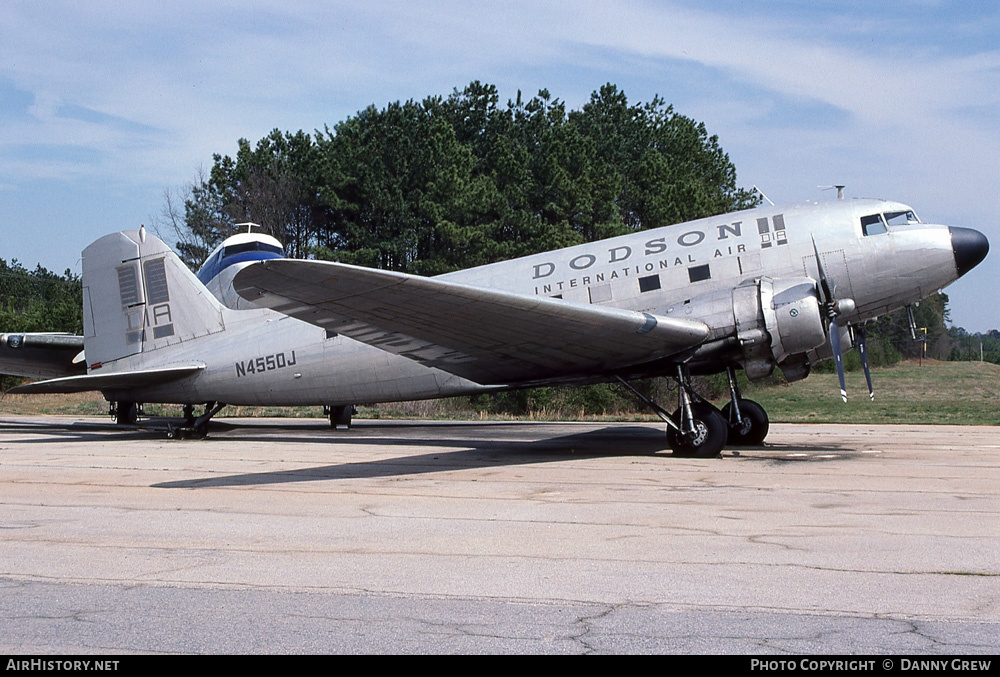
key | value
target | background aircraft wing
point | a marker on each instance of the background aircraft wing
(41, 355)
(485, 335)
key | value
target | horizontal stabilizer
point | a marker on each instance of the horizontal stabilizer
(110, 381)
(486, 335)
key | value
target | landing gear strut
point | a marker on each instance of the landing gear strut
(195, 427)
(747, 421)
(702, 434)
(696, 428)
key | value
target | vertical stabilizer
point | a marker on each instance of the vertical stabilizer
(138, 297)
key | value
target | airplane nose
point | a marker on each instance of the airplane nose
(970, 247)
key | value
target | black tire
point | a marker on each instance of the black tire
(126, 413)
(341, 415)
(712, 433)
(755, 424)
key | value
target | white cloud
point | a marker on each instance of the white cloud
(886, 101)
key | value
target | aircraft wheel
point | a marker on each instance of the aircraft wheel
(711, 433)
(754, 427)
(126, 413)
(341, 415)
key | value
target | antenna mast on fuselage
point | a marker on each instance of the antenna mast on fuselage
(840, 190)
(761, 193)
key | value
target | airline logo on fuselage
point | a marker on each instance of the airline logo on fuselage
(594, 268)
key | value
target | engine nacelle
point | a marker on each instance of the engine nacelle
(777, 323)
(793, 317)
(760, 324)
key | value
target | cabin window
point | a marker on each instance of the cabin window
(699, 273)
(649, 283)
(873, 225)
(600, 293)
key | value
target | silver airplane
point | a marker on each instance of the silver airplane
(753, 290)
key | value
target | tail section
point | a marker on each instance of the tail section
(138, 297)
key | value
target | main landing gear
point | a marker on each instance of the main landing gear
(194, 428)
(747, 420)
(697, 429)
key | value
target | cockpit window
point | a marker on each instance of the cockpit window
(254, 246)
(873, 225)
(901, 218)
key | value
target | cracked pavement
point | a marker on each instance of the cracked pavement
(285, 536)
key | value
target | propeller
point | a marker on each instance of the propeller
(859, 337)
(833, 307)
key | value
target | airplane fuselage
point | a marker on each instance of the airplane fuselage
(699, 270)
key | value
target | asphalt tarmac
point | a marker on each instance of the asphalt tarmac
(285, 536)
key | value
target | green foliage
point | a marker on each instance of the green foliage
(893, 330)
(968, 347)
(39, 300)
(446, 183)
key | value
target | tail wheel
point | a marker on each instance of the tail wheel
(341, 415)
(752, 429)
(709, 437)
(126, 413)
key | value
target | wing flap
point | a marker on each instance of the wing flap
(112, 381)
(485, 335)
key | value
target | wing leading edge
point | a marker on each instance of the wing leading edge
(485, 335)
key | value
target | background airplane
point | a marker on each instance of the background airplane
(773, 286)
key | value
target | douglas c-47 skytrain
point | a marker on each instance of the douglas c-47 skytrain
(753, 290)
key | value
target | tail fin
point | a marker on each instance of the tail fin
(138, 297)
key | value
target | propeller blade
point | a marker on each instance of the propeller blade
(832, 328)
(824, 283)
(859, 334)
(838, 356)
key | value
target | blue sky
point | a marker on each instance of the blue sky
(104, 106)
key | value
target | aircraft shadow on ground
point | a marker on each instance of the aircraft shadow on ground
(465, 454)
(453, 451)
(75, 431)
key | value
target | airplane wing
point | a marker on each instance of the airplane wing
(120, 380)
(485, 335)
(41, 355)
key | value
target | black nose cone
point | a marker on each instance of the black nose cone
(970, 247)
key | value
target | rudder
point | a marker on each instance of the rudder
(139, 297)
